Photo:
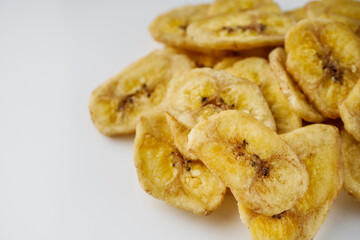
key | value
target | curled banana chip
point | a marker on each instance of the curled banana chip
(351, 155)
(200, 93)
(350, 112)
(197, 94)
(297, 100)
(262, 171)
(324, 60)
(242, 30)
(258, 70)
(318, 146)
(165, 174)
(230, 6)
(116, 105)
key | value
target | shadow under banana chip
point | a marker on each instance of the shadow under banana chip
(165, 174)
(318, 146)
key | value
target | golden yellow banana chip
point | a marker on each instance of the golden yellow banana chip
(297, 14)
(227, 62)
(324, 60)
(197, 94)
(297, 100)
(203, 59)
(350, 112)
(318, 146)
(171, 28)
(258, 70)
(242, 30)
(116, 105)
(261, 170)
(230, 6)
(351, 155)
(165, 174)
(346, 8)
(352, 24)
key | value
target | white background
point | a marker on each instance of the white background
(59, 177)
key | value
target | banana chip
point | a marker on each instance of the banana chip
(318, 146)
(346, 8)
(261, 170)
(242, 30)
(296, 99)
(352, 24)
(351, 155)
(230, 6)
(297, 14)
(258, 70)
(197, 94)
(165, 174)
(116, 105)
(350, 112)
(324, 60)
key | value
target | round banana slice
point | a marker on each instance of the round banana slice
(349, 9)
(351, 155)
(352, 24)
(258, 70)
(350, 112)
(318, 146)
(297, 14)
(230, 6)
(324, 60)
(297, 100)
(261, 170)
(116, 105)
(242, 30)
(170, 28)
(197, 94)
(165, 174)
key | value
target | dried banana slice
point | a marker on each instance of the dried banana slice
(230, 6)
(258, 70)
(318, 146)
(297, 100)
(116, 105)
(352, 24)
(324, 60)
(350, 112)
(261, 170)
(297, 14)
(351, 155)
(349, 9)
(170, 28)
(203, 59)
(227, 62)
(200, 93)
(242, 30)
(165, 174)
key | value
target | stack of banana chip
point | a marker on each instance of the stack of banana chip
(240, 98)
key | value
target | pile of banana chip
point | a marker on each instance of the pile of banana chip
(248, 98)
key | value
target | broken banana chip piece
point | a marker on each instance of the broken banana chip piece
(350, 112)
(324, 60)
(297, 100)
(242, 30)
(261, 170)
(318, 146)
(351, 155)
(116, 105)
(197, 94)
(231, 6)
(258, 70)
(165, 174)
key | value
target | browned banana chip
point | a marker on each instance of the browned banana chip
(230, 6)
(295, 97)
(351, 155)
(324, 60)
(258, 70)
(200, 93)
(243, 30)
(349, 9)
(350, 112)
(165, 174)
(260, 169)
(116, 105)
(318, 146)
